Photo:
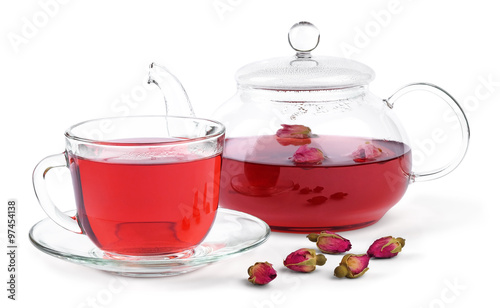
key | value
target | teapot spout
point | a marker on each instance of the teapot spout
(176, 99)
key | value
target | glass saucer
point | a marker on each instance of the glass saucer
(232, 233)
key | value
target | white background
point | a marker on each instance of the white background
(84, 57)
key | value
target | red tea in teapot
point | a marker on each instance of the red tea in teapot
(351, 188)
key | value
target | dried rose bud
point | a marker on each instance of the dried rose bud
(304, 260)
(386, 247)
(294, 131)
(261, 273)
(309, 155)
(352, 266)
(329, 242)
(366, 152)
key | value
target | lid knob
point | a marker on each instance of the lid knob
(303, 37)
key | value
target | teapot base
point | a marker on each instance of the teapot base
(317, 229)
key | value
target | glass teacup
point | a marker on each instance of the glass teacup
(145, 185)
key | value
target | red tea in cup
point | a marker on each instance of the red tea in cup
(149, 195)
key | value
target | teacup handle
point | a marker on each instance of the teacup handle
(464, 125)
(41, 170)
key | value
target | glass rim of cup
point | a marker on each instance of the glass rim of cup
(69, 134)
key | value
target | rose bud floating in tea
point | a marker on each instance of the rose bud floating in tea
(294, 131)
(293, 135)
(366, 152)
(307, 121)
(308, 155)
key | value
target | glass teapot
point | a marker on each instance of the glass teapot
(310, 148)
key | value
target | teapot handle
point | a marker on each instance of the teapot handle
(464, 125)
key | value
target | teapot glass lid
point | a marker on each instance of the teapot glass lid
(304, 71)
